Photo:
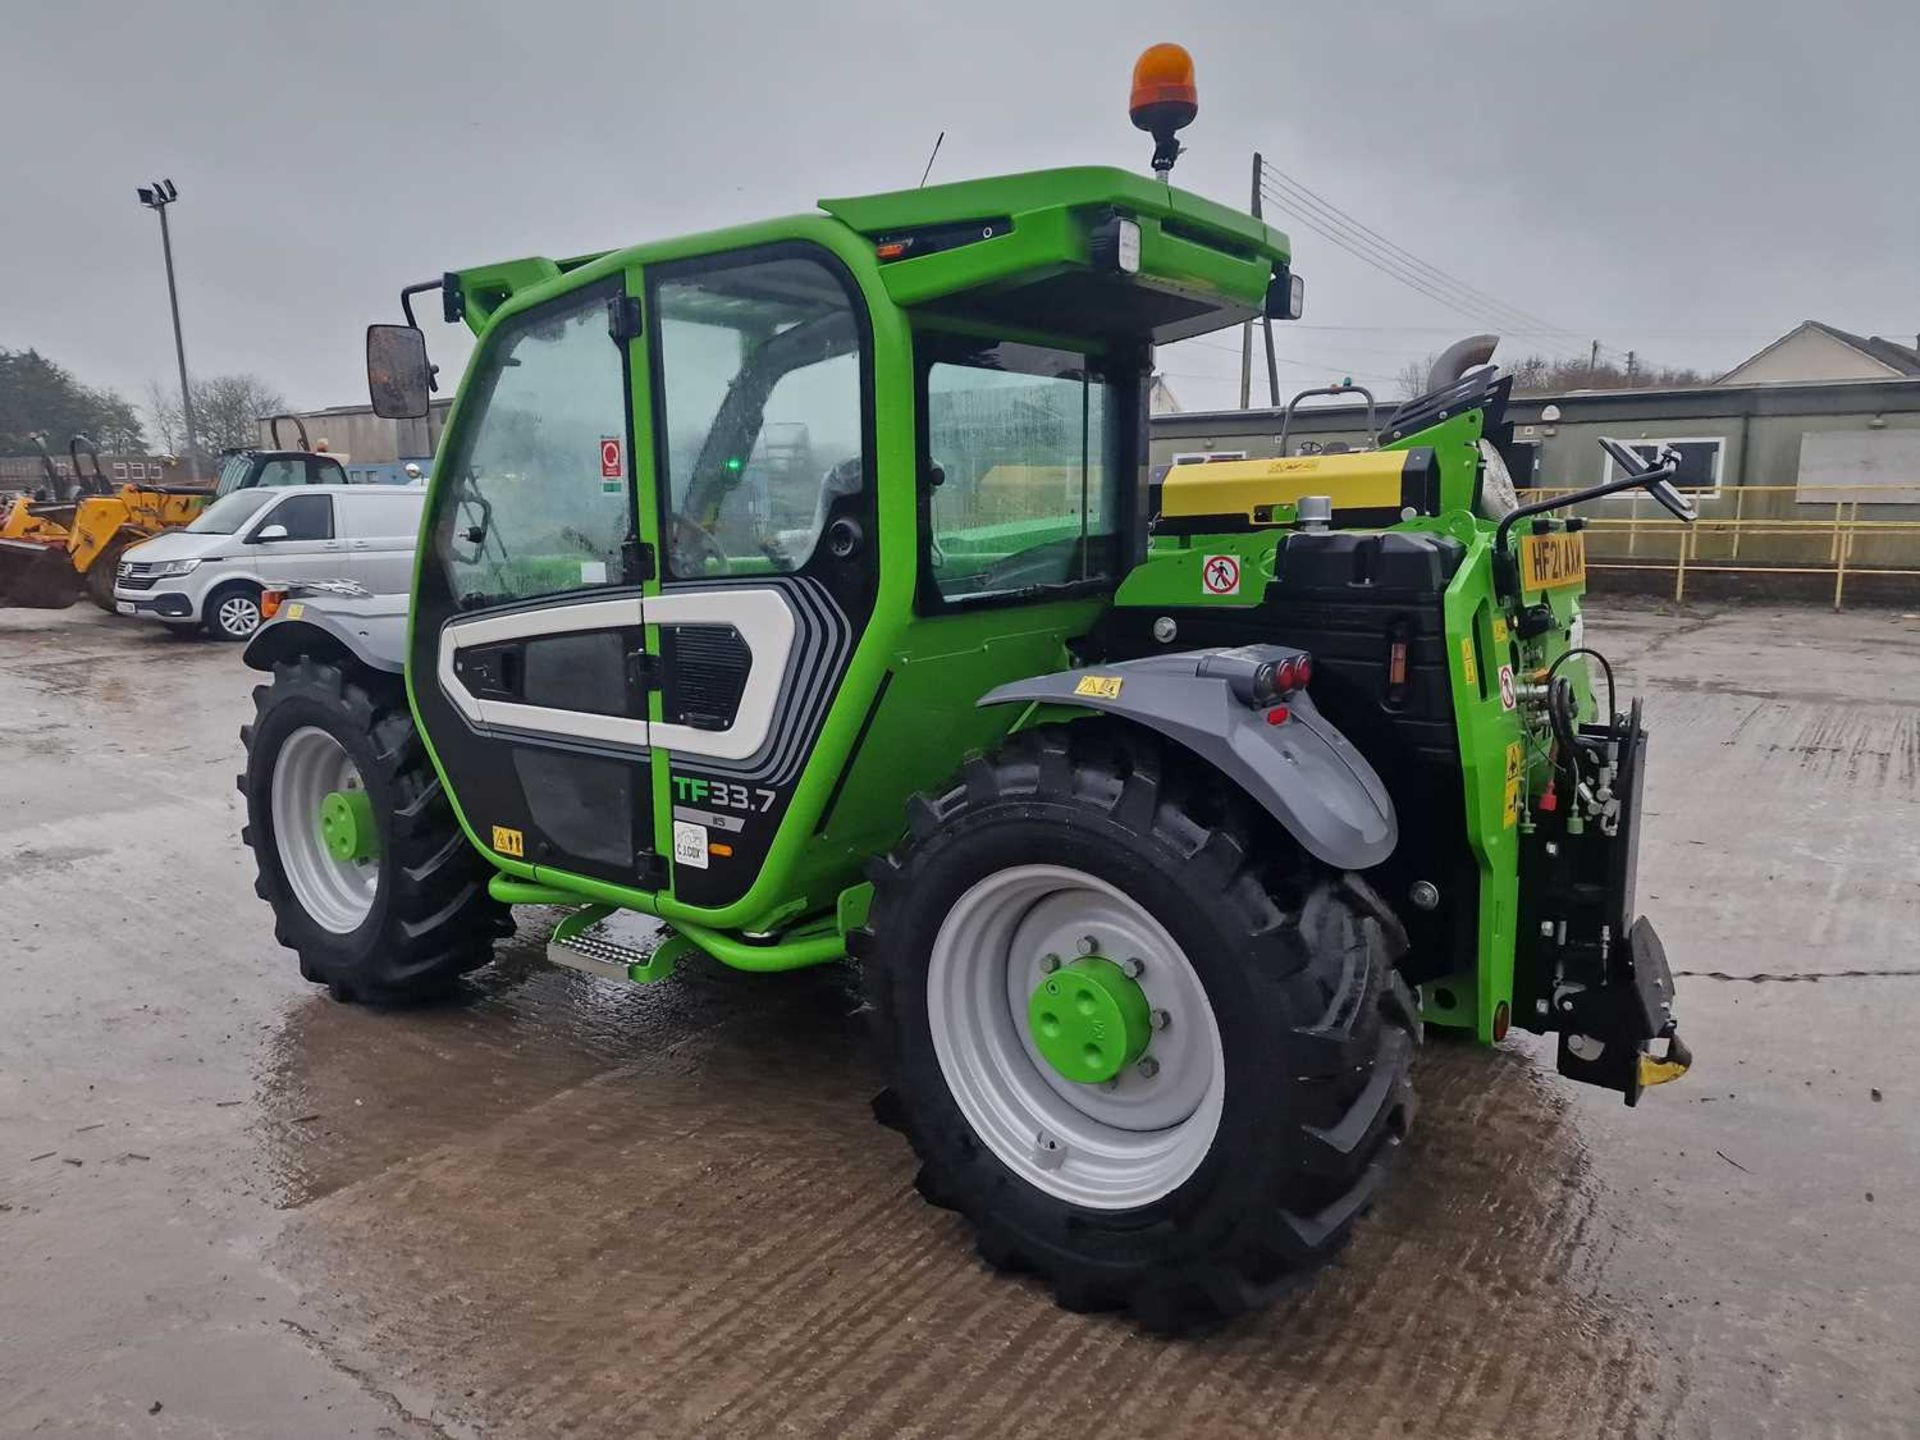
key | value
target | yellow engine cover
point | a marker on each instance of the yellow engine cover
(1368, 487)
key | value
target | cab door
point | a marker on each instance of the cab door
(527, 654)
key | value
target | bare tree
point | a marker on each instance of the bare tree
(226, 408)
(1537, 374)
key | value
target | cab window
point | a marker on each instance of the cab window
(1023, 451)
(758, 366)
(276, 473)
(535, 499)
(307, 517)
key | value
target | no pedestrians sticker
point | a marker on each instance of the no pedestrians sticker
(1220, 574)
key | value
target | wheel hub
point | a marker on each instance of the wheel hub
(1090, 1020)
(346, 825)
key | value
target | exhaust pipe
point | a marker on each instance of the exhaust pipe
(1458, 358)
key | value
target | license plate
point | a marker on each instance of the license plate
(1548, 562)
(123, 607)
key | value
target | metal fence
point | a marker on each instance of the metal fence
(1756, 530)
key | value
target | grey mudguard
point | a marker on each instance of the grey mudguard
(373, 631)
(1304, 772)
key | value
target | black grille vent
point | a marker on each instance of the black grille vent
(703, 672)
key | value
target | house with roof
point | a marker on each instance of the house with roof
(1813, 351)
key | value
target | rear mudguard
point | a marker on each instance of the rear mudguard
(1302, 771)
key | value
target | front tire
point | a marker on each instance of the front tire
(405, 911)
(1279, 1085)
(102, 573)
(233, 611)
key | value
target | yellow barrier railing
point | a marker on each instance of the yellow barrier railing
(1787, 540)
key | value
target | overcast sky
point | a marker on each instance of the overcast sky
(1685, 179)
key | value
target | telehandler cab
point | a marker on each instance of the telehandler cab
(801, 585)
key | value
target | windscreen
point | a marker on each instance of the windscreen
(227, 514)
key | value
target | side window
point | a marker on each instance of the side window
(1027, 440)
(307, 517)
(535, 500)
(275, 473)
(758, 368)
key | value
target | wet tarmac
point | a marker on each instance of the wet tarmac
(563, 1206)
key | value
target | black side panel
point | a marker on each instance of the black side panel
(1348, 598)
(582, 804)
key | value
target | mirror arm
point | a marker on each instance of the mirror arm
(406, 307)
(1505, 572)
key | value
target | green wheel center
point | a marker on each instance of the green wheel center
(346, 825)
(1090, 1020)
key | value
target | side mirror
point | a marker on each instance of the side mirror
(398, 373)
(269, 532)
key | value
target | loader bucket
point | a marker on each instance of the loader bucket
(38, 576)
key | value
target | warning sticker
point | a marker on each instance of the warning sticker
(509, 842)
(1467, 666)
(1516, 778)
(689, 844)
(612, 464)
(1101, 687)
(1507, 700)
(1220, 574)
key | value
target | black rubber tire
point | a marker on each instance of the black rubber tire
(1317, 1028)
(102, 572)
(210, 609)
(432, 919)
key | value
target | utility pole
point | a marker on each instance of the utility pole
(1630, 366)
(1246, 330)
(162, 194)
(1593, 362)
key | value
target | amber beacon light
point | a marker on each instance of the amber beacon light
(1164, 99)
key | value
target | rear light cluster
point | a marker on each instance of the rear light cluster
(270, 603)
(1288, 676)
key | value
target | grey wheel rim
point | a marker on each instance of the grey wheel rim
(237, 615)
(337, 894)
(1112, 1147)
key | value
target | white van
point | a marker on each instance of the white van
(211, 573)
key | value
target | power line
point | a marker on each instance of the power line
(1296, 194)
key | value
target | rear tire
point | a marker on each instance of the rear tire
(407, 922)
(1313, 1030)
(232, 612)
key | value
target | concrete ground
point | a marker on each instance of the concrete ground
(230, 1207)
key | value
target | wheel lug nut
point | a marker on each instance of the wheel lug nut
(1133, 967)
(1148, 1067)
(1049, 963)
(1088, 944)
(1161, 1019)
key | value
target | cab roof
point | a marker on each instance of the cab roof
(1016, 249)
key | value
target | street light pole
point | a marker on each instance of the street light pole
(163, 194)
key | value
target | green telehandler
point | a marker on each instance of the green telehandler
(804, 587)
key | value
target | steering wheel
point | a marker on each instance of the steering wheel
(693, 549)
